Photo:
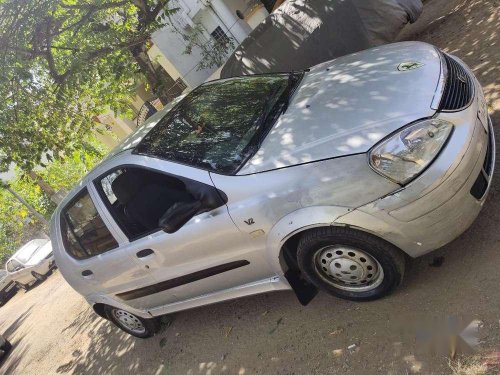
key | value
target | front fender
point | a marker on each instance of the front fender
(295, 222)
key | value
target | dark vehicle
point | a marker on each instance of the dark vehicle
(7, 287)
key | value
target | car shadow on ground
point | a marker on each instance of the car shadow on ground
(37, 283)
(9, 363)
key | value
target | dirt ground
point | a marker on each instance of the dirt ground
(53, 331)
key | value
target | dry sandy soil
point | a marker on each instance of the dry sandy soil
(54, 331)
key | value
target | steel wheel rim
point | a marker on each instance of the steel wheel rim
(129, 321)
(348, 268)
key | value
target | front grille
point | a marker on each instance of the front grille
(459, 87)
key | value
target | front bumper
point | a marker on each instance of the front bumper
(444, 201)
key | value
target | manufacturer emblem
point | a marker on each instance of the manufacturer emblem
(249, 221)
(409, 65)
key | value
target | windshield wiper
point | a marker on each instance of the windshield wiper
(253, 146)
(294, 79)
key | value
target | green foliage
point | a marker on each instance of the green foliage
(213, 52)
(64, 174)
(17, 225)
(62, 63)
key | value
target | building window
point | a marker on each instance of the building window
(220, 36)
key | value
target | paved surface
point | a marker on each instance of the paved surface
(54, 331)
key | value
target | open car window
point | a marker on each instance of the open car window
(83, 230)
(215, 126)
(137, 198)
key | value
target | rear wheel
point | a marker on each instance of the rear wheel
(132, 324)
(350, 264)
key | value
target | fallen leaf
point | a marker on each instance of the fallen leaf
(228, 331)
(163, 342)
(338, 352)
(277, 325)
(337, 331)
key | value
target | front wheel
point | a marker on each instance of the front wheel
(132, 324)
(350, 264)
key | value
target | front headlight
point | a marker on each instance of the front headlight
(405, 154)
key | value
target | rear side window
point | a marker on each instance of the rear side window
(83, 231)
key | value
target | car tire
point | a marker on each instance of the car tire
(132, 324)
(349, 263)
(38, 277)
(22, 286)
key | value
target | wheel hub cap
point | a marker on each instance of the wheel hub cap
(348, 268)
(129, 321)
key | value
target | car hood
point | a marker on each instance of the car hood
(345, 106)
(40, 254)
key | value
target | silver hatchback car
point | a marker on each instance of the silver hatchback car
(33, 262)
(322, 179)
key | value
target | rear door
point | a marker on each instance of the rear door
(98, 260)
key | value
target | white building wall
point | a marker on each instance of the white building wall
(172, 46)
(210, 14)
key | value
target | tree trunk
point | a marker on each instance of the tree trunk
(46, 188)
(159, 80)
(30, 208)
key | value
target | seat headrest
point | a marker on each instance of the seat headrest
(126, 186)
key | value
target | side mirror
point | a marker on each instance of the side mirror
(178, 215)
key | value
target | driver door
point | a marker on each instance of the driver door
(206, 255)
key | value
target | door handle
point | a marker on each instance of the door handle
(144, 253)
(87, 273)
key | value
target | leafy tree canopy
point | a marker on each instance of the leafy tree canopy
(64, 61)
(17, 224)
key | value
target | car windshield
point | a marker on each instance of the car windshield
(25, 253)
(219, 125)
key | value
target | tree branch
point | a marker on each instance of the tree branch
(96, 7)
(158, 8)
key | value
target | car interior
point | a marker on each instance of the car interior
(138, 198)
